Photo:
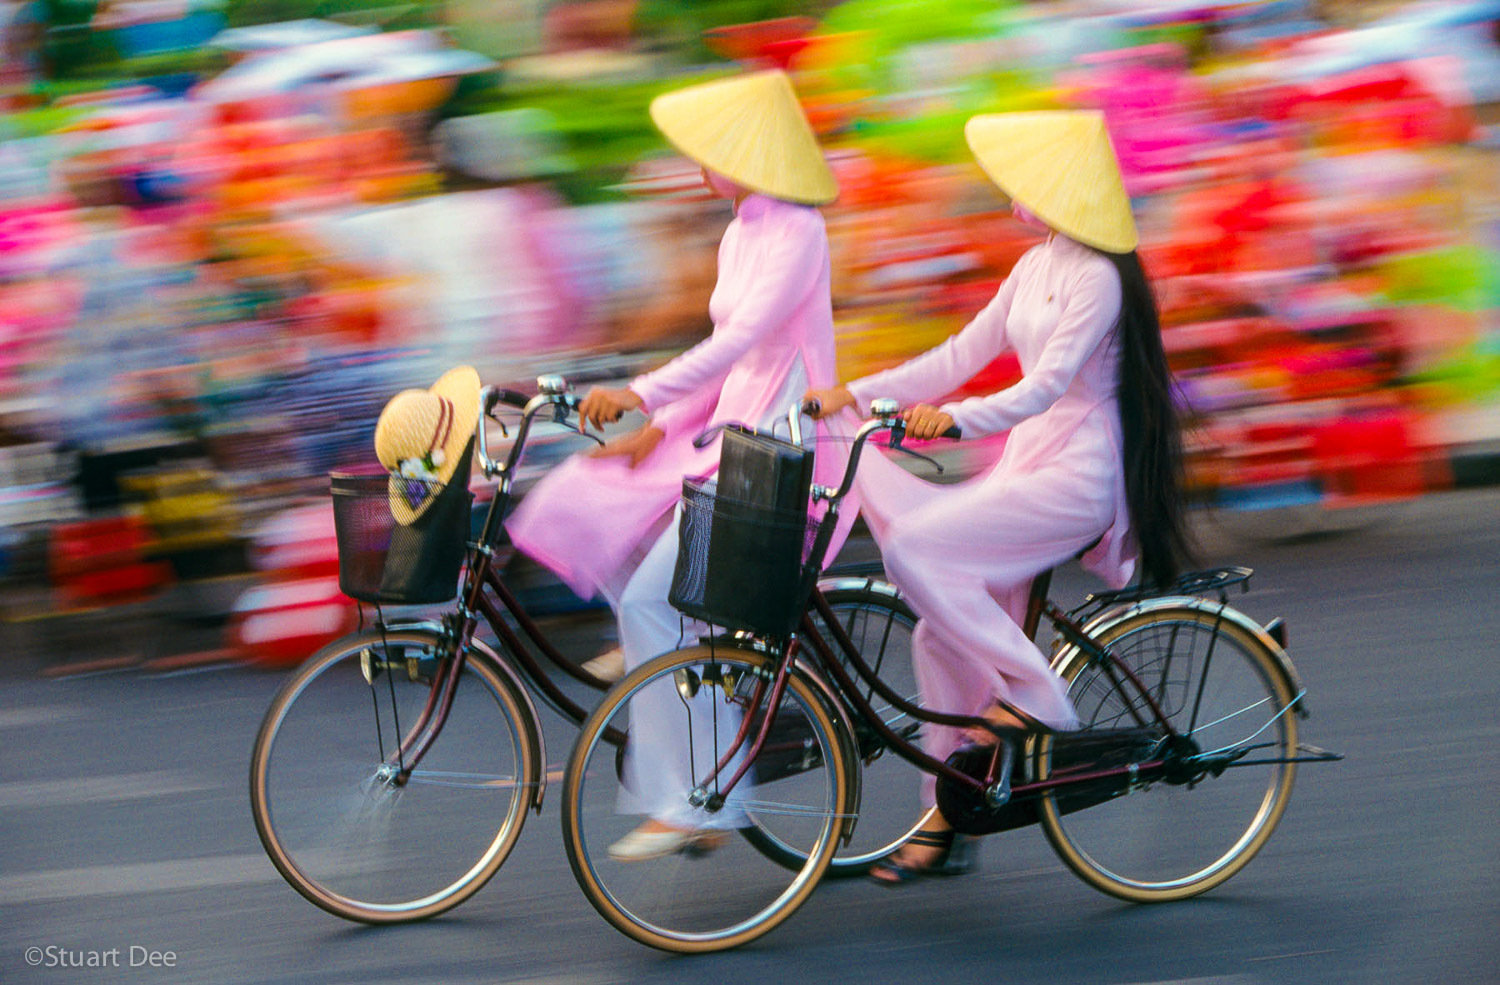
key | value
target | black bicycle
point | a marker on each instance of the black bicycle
(394, 769)
(1182, 768)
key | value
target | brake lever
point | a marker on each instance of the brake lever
(504, 431)
(898, 446)
(560, 413)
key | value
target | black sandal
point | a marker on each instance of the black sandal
(955, 859)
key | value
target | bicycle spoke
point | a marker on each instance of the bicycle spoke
(1260, 731)
(472, 781)
(789, 810)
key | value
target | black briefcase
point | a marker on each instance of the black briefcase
(764, 471)
(745, 536)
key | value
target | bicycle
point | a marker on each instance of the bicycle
(1179, 694)
(393, 771)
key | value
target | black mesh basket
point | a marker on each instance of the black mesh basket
(740, 566)
(382, 561)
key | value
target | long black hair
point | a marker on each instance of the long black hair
(1152, 432)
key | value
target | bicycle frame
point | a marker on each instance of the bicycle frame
(460, 625)
(906, 750)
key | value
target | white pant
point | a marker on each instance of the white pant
(674, 741)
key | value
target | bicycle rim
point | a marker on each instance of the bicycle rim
(327, 810)
(1188, 831)
(880, 626)
(719, 892)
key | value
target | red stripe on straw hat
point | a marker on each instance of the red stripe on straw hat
(444, 425)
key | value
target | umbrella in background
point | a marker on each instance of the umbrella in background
(345, 65)
(286, 34)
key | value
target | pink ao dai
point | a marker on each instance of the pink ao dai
(965, 554)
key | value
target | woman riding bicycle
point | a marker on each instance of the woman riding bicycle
(1091, 462)
(605, 521)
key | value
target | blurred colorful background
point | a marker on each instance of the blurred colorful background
(231, 229)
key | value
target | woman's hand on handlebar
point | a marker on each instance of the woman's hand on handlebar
(926, 421)
(819, 404)
(636, 445)
(605, 406)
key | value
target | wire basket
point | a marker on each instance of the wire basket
(382, 561)
(741, 566)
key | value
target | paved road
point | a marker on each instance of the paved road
(125, 827)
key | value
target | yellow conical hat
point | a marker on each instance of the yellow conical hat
(1061, 166)
(751, 130)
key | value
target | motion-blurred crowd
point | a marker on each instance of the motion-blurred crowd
(227, 237)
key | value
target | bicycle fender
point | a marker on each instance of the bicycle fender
(1112, 617)
(835, 707)
(858, 584)
(538, 779)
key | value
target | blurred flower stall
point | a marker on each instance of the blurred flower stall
(224, 243)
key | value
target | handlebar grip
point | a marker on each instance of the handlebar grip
(812, 407)
(512, 398)
(955, 432)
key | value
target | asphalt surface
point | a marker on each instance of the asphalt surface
(126, 836)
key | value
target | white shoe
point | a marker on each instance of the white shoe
(608, 666)
(642, 845)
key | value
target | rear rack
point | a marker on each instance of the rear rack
(1212, 581)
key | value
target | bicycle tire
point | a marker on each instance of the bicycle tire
(1187, 830)
(689, 901)
(327, 720)
(880, 623)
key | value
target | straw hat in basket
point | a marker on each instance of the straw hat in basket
(750, 129)
(1061, 166)
(421, 436)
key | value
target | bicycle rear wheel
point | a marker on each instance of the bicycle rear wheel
(879, 624)
(719, 891)
(329, 809)
(1196, 822)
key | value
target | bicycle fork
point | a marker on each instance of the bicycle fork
(417, 740)
(714, 801)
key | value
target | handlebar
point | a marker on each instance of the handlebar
(885, 415)
(552, 392)
(878, 407)
(501, 395)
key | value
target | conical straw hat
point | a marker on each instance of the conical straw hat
(426, 426)
(751, 130)
(1061, 166)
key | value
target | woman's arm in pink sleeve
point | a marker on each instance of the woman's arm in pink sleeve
(1093, 308)
(941, 369)
(690, 415)
(789, 264)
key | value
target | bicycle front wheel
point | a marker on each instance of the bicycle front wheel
(1200, 818)
(331, 809)
(680, 714)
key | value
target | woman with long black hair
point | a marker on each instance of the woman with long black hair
(1092, 462)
